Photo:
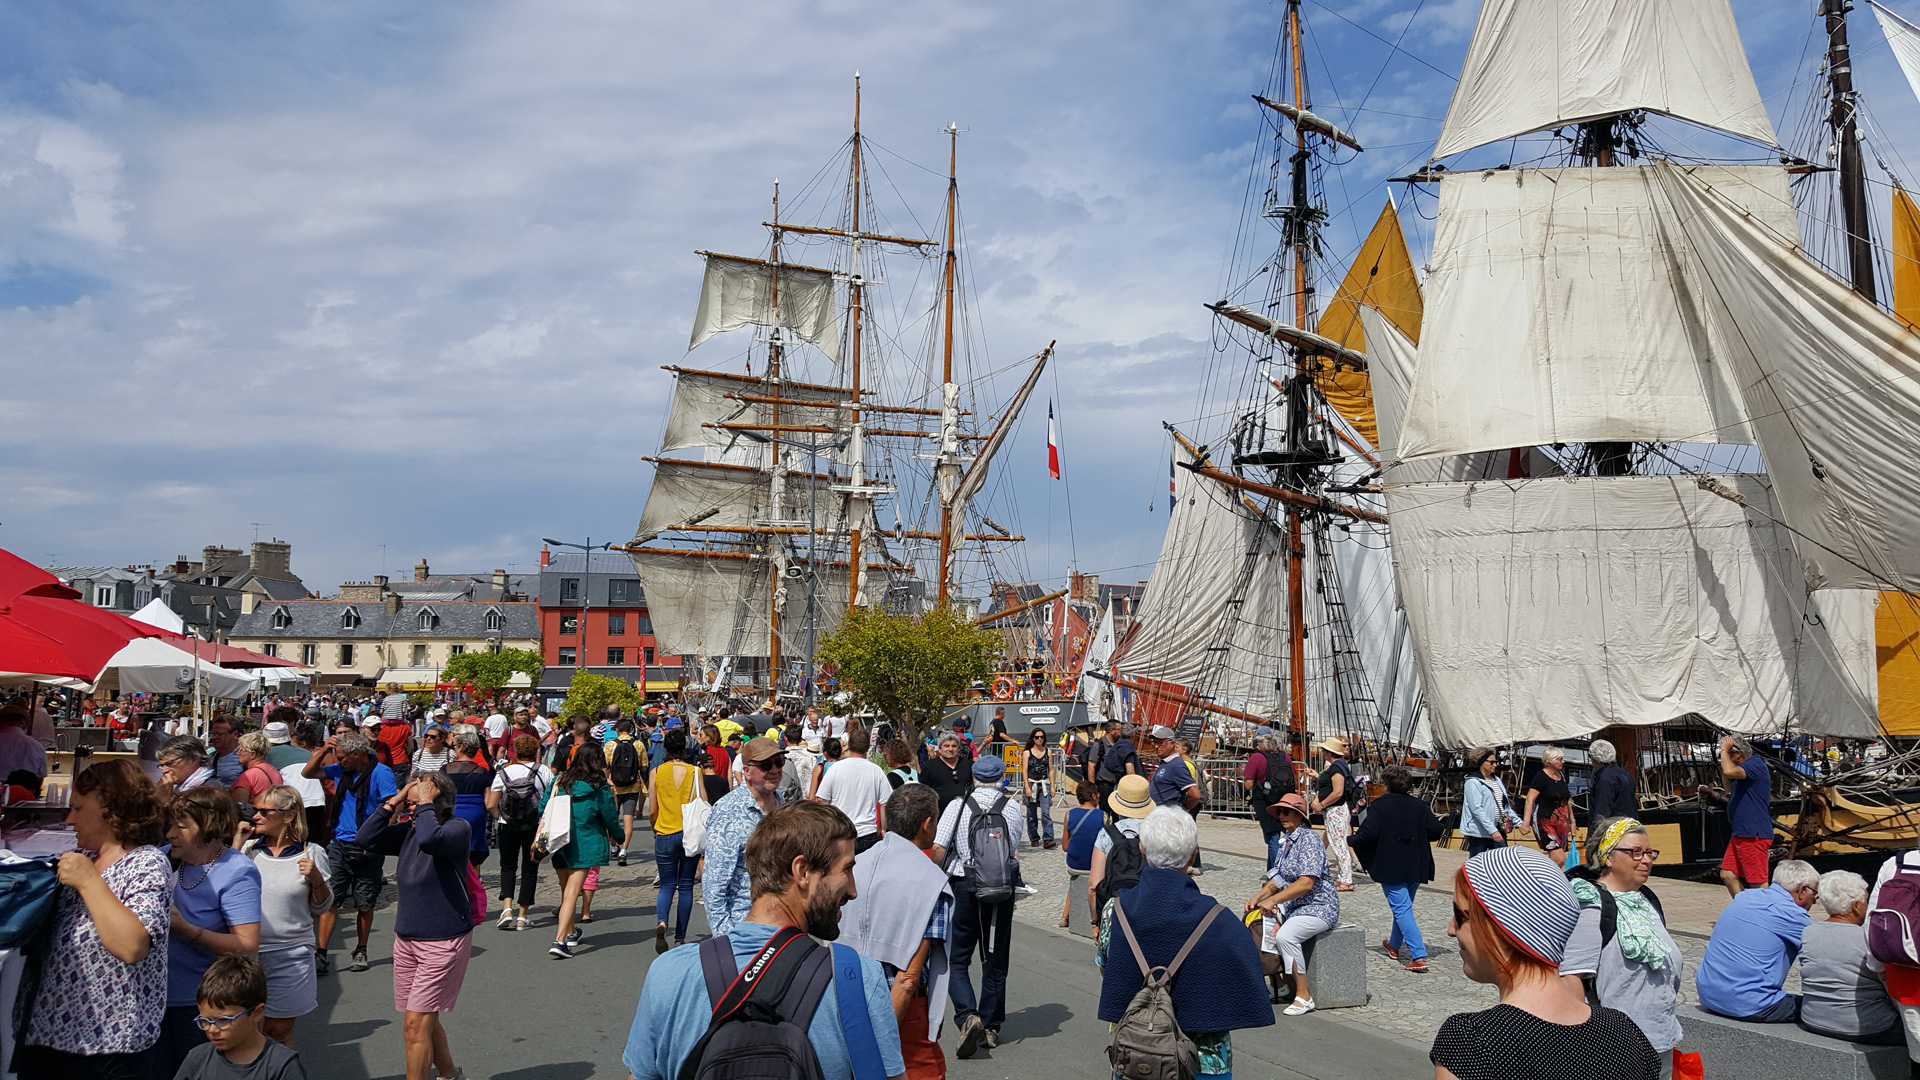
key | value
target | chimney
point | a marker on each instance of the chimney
(210, 555)
(272, 559)
(420, 570)
(181, 567)
(545, 555)
(380, 580)
(393, 603)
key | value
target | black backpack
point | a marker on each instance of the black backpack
(1610, 924)
(520, 802)
(1278, 780)
(1124, 863)
(760, 1016)
(624, 768)
(990, 862)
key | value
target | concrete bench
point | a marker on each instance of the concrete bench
(1079, 922)
(1734, 1049)
(1337, 967)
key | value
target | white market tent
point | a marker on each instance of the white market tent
(161, 617)
(152, 666)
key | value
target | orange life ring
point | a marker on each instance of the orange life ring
(1003, 688)
(1067, 684)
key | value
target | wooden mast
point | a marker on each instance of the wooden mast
(776, 546)
(946, 348)
(855, 288)
(1302, 312)
(1843, 119)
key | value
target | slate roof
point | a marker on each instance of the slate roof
(617, 563)
(282, 590)
(321, 620)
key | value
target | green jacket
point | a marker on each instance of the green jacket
(596, 823)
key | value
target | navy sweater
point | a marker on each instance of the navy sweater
(1219, 986)
(431, 873)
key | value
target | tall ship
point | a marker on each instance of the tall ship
(1627, 457)
(833, 449)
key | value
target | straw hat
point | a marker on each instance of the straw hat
(1130, 798)
(1334, 744)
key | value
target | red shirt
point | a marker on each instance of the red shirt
(396, 734)
(259, 777)
(721, 762)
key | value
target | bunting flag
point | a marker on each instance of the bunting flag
(1053, 445)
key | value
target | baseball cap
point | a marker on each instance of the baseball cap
(1162, 731)
(760, 751)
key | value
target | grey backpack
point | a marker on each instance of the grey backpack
(1147, 1043)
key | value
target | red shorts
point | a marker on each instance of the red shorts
(427, 974)
(1747, 856)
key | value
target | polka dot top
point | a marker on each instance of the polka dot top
(1505, 1043)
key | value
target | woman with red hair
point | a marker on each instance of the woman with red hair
(1513, 911)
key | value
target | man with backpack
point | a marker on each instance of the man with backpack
(1112, 758)
(1268, 775)
(627, 776)
(976, 842)
(765, 999)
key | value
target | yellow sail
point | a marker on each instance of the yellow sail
(1381, 277)
(1897, 622)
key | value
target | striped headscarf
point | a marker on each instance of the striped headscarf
(1528, 898)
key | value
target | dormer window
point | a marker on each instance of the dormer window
(494, 619)
(350, 619)
(428, 620)
(282, 618)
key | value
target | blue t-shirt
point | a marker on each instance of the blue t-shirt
(380, 787)
(674, 1011)
(226, 895)
(1754, 942)
(1083, 829)
(1748, 808)
(1170, 782)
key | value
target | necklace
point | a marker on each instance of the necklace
(205, 870)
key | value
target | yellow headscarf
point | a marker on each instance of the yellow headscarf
(1611, 839)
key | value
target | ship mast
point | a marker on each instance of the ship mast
(776, 545)
(860, 504)
(1843, 119)
(1299, 229)
(947, 465)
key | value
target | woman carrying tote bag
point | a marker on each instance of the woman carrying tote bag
(673, 786)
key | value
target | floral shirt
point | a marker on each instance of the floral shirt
(90, 1002)
(1304, 854)
(727, 892)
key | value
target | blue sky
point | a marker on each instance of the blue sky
(401, 277)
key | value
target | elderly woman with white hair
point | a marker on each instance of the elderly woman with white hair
(1549, 809)
(1843, 989)
(1217, 988)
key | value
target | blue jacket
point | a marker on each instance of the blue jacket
(1219, 986)
(431, 873)
(1395, 842)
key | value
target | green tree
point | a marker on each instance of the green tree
(487, 672)
(906, 668)
(590, 693)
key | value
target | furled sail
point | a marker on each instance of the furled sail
(1538, 64)
(740, 292)
(729, 496)
(701, 398)
(1105, 701)
(1211, 535)
(976, 474)
(1904, 38)
(715, 604)
(1554, 608)
(1380, 277)
(1832, 384)
(1562, 307)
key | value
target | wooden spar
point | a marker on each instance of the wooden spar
(1012, 611)
(1304, 342)
(865, 406)
(795, 530)
(1294, 500)
(775, 263)
(758, 381)
(856, 292)
(946, 350)
(721, 465)
(1183, 699)
(1303, 313)
(1311, 122)
(820, 429)
(1843, 119)
(856, 234)
(636, 549)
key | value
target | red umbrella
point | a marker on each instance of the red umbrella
(24, 651)
(88, 635)
(18, 577)
(225, 655)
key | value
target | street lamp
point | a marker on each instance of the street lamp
(586, 589)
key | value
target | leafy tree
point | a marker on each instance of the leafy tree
(590, 693)
(907, 668)
(487, 672)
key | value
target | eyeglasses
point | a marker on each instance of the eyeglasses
(1638, 854)
(222, 1023)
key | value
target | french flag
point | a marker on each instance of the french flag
(1053, 445)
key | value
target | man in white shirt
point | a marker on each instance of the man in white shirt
(859, 789)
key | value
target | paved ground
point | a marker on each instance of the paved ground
(524, 1015)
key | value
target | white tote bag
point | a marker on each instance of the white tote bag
(693, 818)
(556, 824)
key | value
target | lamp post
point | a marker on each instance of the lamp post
(586, 591)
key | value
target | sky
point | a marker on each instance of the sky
(395, 282)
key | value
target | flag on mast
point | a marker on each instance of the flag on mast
(1053, 445)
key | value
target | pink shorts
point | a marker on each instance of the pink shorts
(427, 974)
(593, 879)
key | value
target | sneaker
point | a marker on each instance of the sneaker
(621, 858)
(1024, 890)
(321, 965)
(560, 949)
(1418, 965)
(359, 961)
(573, 938)
(506, 919)
(1300, 1007)
(1392, 953)
(972, 1033)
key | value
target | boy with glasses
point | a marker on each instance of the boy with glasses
(232, 1000)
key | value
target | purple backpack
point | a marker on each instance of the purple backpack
(1894, 920)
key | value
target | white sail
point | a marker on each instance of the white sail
(702, 398)
(1904, 38)
(728, 496)
(1210, 533)
(1102, 697)
(1562, 307)
(1538, 64)
(740, 292)
(976, 474)
(1833, 386)
(1553, 608)
(703, 605)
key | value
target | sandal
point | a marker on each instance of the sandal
(586, 918)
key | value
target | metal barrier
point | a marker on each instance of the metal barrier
(1222, 790)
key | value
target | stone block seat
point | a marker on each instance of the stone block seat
(1337, 967)
(1733, 1049)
